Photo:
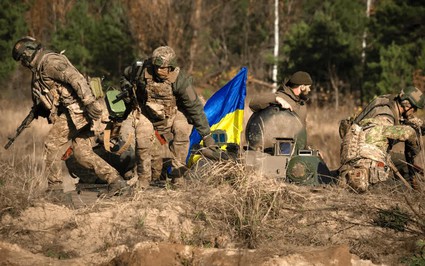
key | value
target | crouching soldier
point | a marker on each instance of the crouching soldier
(367, 141)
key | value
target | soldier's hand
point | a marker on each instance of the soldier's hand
(209, 141)
(284, 103)
(94, 110)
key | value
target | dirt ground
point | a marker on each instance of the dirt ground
(192, 225)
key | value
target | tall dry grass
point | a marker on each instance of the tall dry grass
(21, 166)
(322, 130)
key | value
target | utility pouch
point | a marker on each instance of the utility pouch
(358, 179)
(96, 87)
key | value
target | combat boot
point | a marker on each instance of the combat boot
(118, 187)
(142, 184)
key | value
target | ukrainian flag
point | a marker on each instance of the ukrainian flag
(224, 111)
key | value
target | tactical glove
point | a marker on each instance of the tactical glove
(209, 141)
(94, 110)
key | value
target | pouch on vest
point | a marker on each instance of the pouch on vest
(116, 106)
(96, 87)
(351, 143)
(358, 179)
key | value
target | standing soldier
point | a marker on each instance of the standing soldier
(164, 102)
(62, 95)
(367, 141)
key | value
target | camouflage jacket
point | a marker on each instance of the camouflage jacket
(58, 86)
(182, 95)
(376, 130)
(381, 132)
(298, 104)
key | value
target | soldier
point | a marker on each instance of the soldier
(164, 103)
(367, 141)
(62, 95)
(292, 95)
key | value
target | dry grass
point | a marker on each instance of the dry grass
(21, 167)
(238, 202)
(237, 208)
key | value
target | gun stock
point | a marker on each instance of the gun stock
(25, 123)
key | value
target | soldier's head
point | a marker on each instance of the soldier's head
(164, 61)
(300, 82)
(25, 50)
(410, 100)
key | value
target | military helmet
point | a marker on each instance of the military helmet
(25, 50)
(414, 96)
(164, 56)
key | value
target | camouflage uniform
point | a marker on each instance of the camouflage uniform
(59, 88)
(365, 147)
(162, 113)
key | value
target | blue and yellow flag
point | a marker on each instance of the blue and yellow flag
(225, 110)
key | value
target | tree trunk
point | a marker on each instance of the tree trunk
(276, 42)
(195, 22)
(333, 77)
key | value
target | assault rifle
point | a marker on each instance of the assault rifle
(25, 123)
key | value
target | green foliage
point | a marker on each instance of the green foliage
(418, 258)
(396, 71)
(393, 218)
(96, 38)
(329, 42)
(396, 47)
(12, 27)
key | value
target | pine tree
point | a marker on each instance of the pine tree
(12, 27)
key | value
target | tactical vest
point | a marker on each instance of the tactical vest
(160, 101)
(157, 100)
(381, 101)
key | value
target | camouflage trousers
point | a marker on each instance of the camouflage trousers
(60, 134)
(362, 173)
(149, 149)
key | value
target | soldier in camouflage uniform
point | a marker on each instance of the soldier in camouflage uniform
(164, 103)
(292, 95)
(367, 141)
(62, 95)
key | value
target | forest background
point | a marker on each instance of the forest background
(352, 49)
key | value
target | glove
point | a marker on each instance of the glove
(284, 103)
(209, 141)
(94, 110)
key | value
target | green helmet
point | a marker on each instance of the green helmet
(414, 96)
(25, 48)
(164, 56)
